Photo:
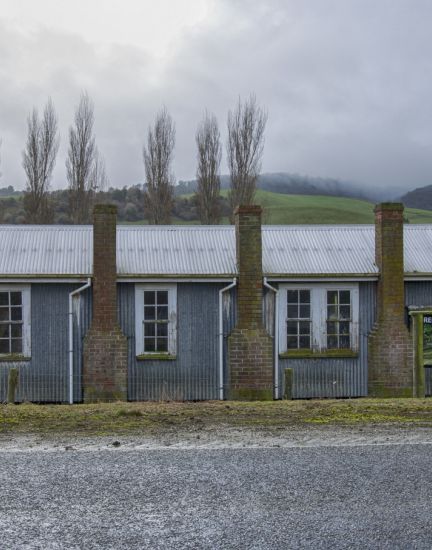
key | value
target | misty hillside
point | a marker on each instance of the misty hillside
(294, 184)
(419, 198)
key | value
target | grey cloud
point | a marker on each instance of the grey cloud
(347, 85)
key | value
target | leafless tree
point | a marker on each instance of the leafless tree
(39, 157)
(209, 157)
(85, 168)
(245, 146)
(158, 156)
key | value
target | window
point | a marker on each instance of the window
(14, 320)
(338, 319)
(155, 319)
(318, 317)
(298, 319)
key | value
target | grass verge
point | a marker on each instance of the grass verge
(150, 418)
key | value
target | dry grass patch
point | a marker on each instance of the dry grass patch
(150, 418)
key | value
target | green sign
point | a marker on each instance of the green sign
(427, 340)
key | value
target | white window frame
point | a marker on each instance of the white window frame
(26, 317)
(172, 317)
(318, 314)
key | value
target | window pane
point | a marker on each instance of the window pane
(162, 313)
(292, 327)
(305, 296)
(162, 297)
(304, 342)
(332, 297)
(304, 327)
(344, 297)
(305, 312)
(292, 312)
(149, 344)
(4, 314)
(162, 344)
(344, 327)
(149, 313)
(331, 328)
(4, 346)
(16, 345)
(16, 313)
(292, 342)
(149, 297)
(344, 342)
(4, 298)
(149, 329)
(15, 298)
(292, 296)
(4, 331)
(332, 342)
(345, 312)
(162, 329)
(332, 312)
(16, 331)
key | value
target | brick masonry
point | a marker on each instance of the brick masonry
(105, 346)
(390, 347)
(250, 347)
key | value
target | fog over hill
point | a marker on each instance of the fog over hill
(296, 184)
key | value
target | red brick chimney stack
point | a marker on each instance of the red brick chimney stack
(105, 345)
(390, 360)
(250, 347)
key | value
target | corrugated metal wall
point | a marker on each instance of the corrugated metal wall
(45, 377)
(345, 377)
(194, 374)
(420, 294)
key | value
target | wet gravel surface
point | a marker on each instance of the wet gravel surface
(344, 496)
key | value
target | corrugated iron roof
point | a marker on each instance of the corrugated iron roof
(205, 250)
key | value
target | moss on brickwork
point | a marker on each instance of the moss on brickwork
(382, 390)
(251, 394)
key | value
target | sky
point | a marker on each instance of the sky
(347, 84)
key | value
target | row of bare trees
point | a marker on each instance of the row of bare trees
(85, 168)
(245, 145)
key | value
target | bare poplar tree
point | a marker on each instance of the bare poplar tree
(209, 157)
(158, 155)
(245, 146)
(85, 168)
(39, 157)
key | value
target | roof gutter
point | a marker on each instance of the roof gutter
(221, 335)
(275, 339)
(71, 350)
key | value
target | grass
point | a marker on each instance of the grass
(316, 209)
(150, 418)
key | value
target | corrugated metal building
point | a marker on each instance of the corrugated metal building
(183, 271)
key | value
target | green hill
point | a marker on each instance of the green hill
(283, 209)
(308, 209)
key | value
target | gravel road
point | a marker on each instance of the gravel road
(119, 496)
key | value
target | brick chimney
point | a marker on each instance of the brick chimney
(105, 346)
(250, 348)
(390, 361)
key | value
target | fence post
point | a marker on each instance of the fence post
(12, 384)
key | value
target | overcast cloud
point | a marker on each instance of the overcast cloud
(347, 83)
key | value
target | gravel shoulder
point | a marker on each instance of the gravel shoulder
(225, 437)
